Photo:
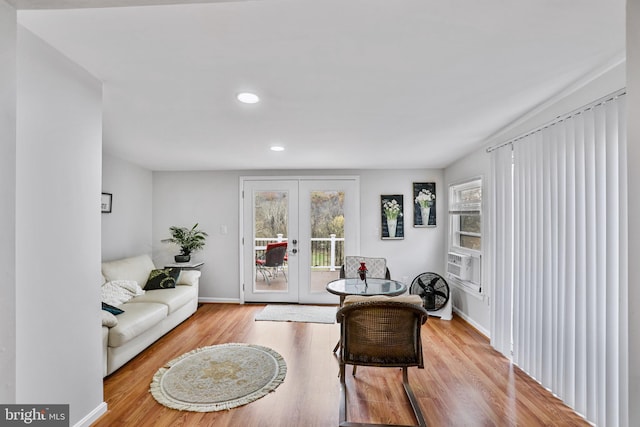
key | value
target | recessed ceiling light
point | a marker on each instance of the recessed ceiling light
(277, 148)
(248, 98)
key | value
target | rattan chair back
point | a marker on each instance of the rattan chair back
(383, 334)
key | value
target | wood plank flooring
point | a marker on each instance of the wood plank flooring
(464, 383)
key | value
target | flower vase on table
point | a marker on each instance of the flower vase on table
(362, 272)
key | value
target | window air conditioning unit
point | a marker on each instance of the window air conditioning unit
(460, 266)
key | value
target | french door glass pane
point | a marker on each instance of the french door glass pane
(271, 226)
(327, 237)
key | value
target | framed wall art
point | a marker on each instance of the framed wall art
(392, 216)
(106, 202)
(424, 204)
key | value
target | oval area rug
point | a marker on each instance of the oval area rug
(218, 377)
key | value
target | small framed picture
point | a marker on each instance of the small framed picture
(106, 202)
(424, 204)
(392, 216)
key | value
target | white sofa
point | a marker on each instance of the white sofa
(146, 317)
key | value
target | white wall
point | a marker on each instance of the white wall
(212, 200)
(633, 99)
(478, 163)
(58, 166)
(421, 249)
(8, 197)
(126, 231)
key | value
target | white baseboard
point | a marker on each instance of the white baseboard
(92, 416)
(470, 321)
(219, 300)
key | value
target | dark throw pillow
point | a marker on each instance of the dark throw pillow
(111, 309)
(162, 279)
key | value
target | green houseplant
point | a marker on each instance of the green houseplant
(189, 239)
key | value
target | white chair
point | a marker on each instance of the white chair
(376, 267)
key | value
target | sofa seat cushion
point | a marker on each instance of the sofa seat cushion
(137, 318)
(174, 298)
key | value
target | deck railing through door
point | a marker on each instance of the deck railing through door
(326, 253)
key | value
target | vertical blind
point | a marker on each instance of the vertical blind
(559, 258)
(501, 223)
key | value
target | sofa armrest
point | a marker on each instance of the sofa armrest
(188, 277)
(108, 319)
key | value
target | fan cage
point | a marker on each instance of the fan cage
(433, 289)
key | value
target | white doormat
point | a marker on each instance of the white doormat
(298, 313)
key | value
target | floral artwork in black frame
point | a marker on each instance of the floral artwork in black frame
(392, 216)
(424, 204)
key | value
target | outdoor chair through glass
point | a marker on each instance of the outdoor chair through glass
(273, 261)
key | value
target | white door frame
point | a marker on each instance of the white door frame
(356, 242)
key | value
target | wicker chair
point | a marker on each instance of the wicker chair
(383, 334)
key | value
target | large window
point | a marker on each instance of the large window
(465, 215)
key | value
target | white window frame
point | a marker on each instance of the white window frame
(456, 209)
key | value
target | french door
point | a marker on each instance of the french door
(318, 218)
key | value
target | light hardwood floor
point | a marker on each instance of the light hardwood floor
(464, 383)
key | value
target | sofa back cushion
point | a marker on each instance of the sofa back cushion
(134, 268)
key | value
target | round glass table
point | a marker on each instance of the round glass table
(355, 286)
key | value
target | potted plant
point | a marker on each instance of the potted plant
(189, 240)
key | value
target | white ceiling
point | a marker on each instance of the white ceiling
(344, 83)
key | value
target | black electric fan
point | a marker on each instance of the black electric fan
(433, 290)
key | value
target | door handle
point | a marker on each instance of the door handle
(294, 241)
(294, 251)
